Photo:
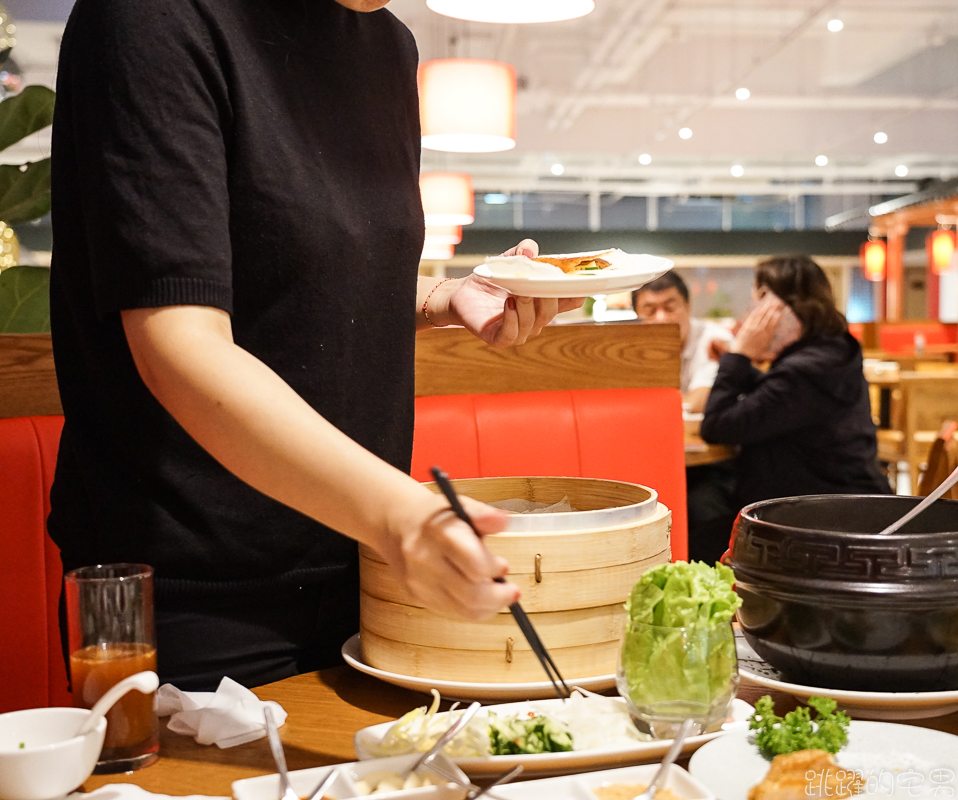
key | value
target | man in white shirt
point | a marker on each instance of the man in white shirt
(666, 299)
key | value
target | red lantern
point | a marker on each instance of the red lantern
(873, 257)
(940, 245)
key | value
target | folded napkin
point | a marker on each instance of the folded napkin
(127, 791)
(229, 716)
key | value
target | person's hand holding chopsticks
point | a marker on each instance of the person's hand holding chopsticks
(441, 561)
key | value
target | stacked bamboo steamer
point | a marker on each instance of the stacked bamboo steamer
(575, 570)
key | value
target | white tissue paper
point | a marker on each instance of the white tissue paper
(518, 505)
(229, 716)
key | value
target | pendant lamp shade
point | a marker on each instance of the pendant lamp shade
(436, 252)
(512, 10)
(467, 105)
(443, 234)
(873, 256)
(447, 198)
(941, 247)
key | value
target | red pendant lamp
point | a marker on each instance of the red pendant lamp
(447, 198)
(467, 105)
(873, 257)
(940, 245)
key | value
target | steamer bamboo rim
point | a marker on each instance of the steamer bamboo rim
(603, 503)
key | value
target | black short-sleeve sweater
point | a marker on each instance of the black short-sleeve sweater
(257, 156)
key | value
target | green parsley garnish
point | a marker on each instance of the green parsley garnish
(23, 745)
(797, 731)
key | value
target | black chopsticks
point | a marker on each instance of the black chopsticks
(522, 620)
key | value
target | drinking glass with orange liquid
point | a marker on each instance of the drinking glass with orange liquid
(110, 623)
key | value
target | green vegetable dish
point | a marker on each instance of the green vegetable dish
(797, 730)
(679, 646)
(534, 734)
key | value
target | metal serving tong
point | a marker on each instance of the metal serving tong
(522, 620)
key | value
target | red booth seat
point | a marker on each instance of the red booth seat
(32, 673)
(900, 336)
(633, 435)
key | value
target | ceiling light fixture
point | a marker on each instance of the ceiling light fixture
(467, 105)
(901, 170)
(881, 138)
(737, 171)
(437, 252)
(645, 159)
(742, 93)
(821, 161)
(443, 235)
(557, 169)
(835, 25)
(447, 198)
(512, 11)
(685, 133)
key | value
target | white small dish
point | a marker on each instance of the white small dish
(303, 781)
(53, 760)
(899, 761)
(561, 763)
(861, 705)
(579, 787)
(458, 690)
(524, 277)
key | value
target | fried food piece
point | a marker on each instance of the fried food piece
(576, 263)
(805, 774)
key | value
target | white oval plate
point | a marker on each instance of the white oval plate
(861, 705)
(900, 761)
(457, 690)
(563, 763)
(636, 271)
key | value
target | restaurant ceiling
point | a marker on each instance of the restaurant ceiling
(598, 92)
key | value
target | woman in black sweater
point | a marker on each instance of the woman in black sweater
(805, 425)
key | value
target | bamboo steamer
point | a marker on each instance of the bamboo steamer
(575, 571)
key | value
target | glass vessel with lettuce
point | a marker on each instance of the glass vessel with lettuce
(678, 653)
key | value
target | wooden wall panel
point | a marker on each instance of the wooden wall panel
(28, 382)
(562, 357)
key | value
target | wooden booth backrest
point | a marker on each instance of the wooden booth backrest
(596, 401)
(28, 383)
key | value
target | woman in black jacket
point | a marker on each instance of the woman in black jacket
(805, 425)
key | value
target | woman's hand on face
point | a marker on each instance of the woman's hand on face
(444, 564)
(495, 316)
(754, 338)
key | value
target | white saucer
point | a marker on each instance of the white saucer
(861, 705)
(457, 690)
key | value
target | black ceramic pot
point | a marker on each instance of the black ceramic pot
(830, 603)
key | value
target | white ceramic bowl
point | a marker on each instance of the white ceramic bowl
(303, 781)
(53, 760)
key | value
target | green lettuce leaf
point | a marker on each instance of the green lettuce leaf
(678, 644)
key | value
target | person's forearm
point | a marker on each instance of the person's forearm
(256, 426)
(427, 313)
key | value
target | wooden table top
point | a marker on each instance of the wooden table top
(699, 452)
(325, 709)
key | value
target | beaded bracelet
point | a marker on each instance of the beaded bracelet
(426, 301)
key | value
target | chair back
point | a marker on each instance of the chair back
(32, 672)
(942, 461)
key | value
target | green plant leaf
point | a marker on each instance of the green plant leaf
(25, 300)
(24, 191)
(25, 113)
